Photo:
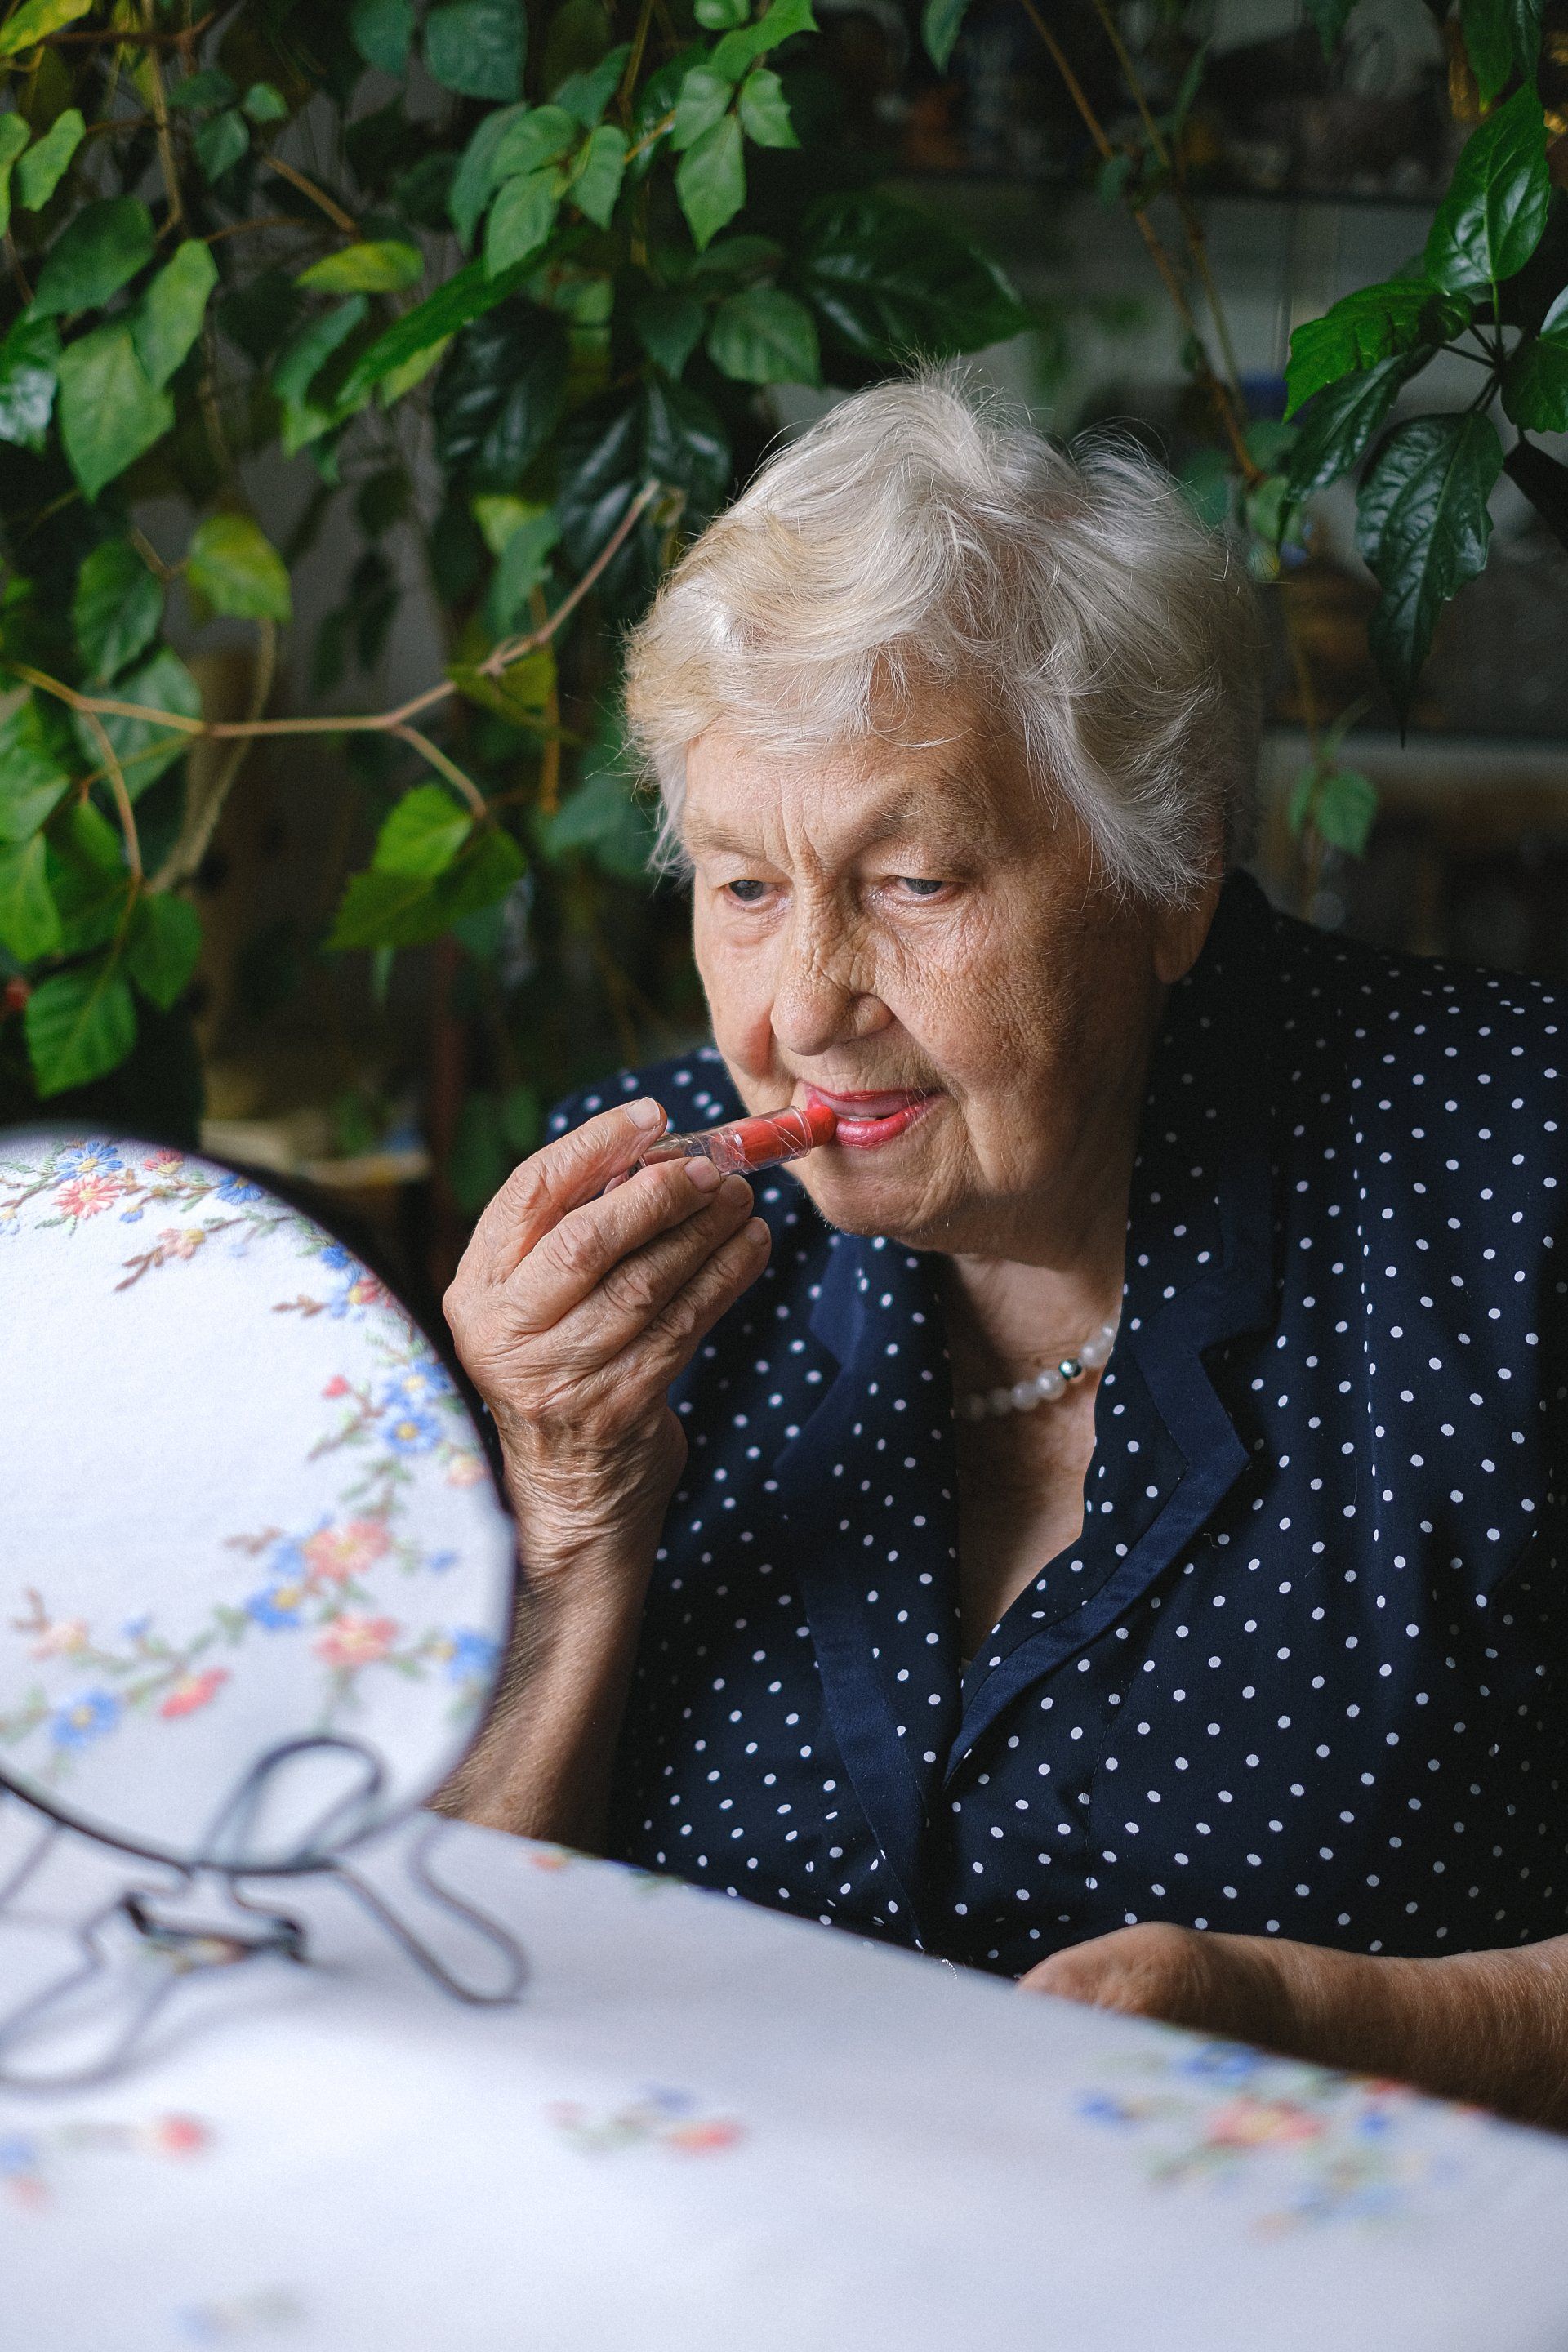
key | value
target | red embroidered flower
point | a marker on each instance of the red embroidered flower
(355, 1641)
(194, 1691)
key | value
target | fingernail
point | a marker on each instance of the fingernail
(757, 1229)
(646, 1112)
(703, 1174)
(734, 1186)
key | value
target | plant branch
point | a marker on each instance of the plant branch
(549, 758)
(319, 196)
(124, 809)
(634, 63)
(380, 722)
(202, 811)
(465, 785)
(160, 105)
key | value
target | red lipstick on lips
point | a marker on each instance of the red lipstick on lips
(744, 1146)
(867, 1119)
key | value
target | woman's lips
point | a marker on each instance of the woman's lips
(865, 1120)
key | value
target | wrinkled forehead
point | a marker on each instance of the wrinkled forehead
(950, 787)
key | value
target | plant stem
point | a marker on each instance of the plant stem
(634, 63)
(124, 809)
(160, 105)
(201, 816)
(443, 766)
(549, 758)
(334, 212)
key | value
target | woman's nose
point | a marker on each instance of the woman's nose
(819, 999)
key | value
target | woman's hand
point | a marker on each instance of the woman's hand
(573, 1310)
(1490, 2027)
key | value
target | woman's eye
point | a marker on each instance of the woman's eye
(746, 893)
(920, 885)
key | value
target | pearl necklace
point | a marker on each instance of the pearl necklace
(1025, 1395)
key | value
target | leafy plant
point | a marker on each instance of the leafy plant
(1491, 286)
(514, 333)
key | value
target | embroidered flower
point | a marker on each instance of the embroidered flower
(93, 1158)
(352, 1640)
(194, 1691)
(367, 1292)
(411, 1432)
(465, 1470)
(702, 2138)
(1257, 2123)
(164, 1161)
(178, 2134)
(471, 1656)
(63, 1639)
(237, 1191)
(86, 1196)
(181, 1241)
(277, 1605)
(334, 1554)
(336, 1387)
(84, 1719)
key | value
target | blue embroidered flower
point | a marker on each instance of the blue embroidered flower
(237, 1191)
(84, 1718)
(338, 1259)
(90, 1159)
(411, 1433)
(473, 1657)
(276, 1605)
(17, 2154)
(1222, 2061)
(415, 1390)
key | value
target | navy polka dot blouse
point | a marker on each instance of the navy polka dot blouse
(1303, 1672)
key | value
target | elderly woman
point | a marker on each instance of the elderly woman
(1100, 1524)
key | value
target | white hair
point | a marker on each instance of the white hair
(918, 538)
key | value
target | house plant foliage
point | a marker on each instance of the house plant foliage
(507, 286)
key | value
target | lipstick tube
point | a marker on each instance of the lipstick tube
(744, 1146)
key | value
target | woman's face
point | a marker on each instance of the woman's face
(909, 931)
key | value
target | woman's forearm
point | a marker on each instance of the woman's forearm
(1491, 2028)
(542, 1766)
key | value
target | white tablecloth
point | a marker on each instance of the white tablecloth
(706, 2126)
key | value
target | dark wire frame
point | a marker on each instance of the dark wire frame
(178, 1947)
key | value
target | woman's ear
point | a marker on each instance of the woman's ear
(1179, 933)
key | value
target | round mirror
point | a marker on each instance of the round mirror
(255, 1580)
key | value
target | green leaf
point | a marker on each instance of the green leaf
(1370, 325)
(381, 31)
(220, 142)
(1343, 809)
(12, 139)
(265, 102)
(1535, 382)
(1489, 43)
(32, 776)
(1491, 219)
(499, 397)
(543, 135)
(604, 818)
(705, 99)
(386, 265)
(520, 694)
(781, 23)
(109, 412)
(169, 316)
(79, 1023)
(764, 111)
(722, 15)
(44, 165)
(1339, 423)
(605, 453)
(423, 835)
(206, 89)
(521, 220)
(234, 566)
(116, 610)
(1331, 17)
(408, 910)
(29, 919)
(711, 181)
(143, 748)
(585, 95)
(29, 365)
(35, 20)
(599, 173)
(95, 254)
(890, 282)
(669, 327)
(765, 337)
(164, 942)
(524, 562)
(1423, 526)
(478, 48)
(474, 181)
(86, 868)
(1524, 25)
(302, 360)
(942, 21)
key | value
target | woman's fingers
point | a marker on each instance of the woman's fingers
(633, 1291)
(673, 1335)
(551, 1182)
(577, 1262)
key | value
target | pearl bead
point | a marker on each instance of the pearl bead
(1049, 1383)
(1000, 1400)
(1025, 1396)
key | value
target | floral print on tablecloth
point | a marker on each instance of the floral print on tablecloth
(336, 1584)
(657, 2117)
(37, 2161)
(1300, 2145)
